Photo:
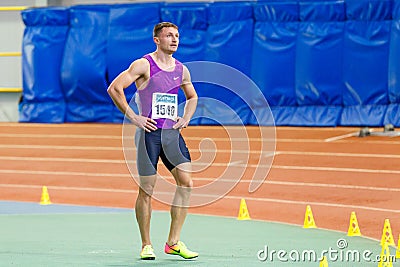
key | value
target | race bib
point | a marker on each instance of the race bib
(164, 106)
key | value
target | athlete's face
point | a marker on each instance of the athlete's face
(168, 40)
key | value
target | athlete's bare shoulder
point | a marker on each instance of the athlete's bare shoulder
(139, 67)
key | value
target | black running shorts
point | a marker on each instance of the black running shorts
(167, 144)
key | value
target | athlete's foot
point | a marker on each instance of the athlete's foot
(181, 250)
(147, 253)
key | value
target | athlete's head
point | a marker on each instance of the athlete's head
(159, 26)
(166, 37)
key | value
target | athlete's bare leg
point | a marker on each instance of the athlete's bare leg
(143, 207)
(179, 207)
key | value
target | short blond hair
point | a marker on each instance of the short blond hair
(159, 26)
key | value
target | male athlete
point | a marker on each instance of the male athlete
(158, 77)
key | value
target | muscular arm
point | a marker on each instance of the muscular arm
(191, 100)
(116, 91)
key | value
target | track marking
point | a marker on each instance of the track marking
(266, 182)
(66, 173)
(64, 147)
(336, 138)
(63, 136)
(287, 167)
(61, 125)
(273, 200)
(336, 154)
(333, 205)
(121, 125)
(113, 161)
(311, 168)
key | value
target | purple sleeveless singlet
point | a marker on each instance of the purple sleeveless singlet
(160, 82)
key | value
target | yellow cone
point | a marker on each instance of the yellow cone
(45, 199)
(323, 262)
(243, 211)
(385, 259)
(309, 218)
(387, 236)
(354, 229)
(398, 249)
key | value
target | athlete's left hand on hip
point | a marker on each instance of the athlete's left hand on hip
(180, 123)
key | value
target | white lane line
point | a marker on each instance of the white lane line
(95, 174)
(52, 147)
(121, 125)
(366, 155)
(64, 136)
(285, 167)
(265, 140)
(324, 204)
(219, 139)
(311, 168)
(336, 138)
(53, 159)
(273, 200)
(266, 181)
(336, 154)
(61, 125)
(341, 186)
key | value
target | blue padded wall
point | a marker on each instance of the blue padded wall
(129, 39)
(317, 63)
(365, 62)
(273, 56)
(42, 51)
(83, 70)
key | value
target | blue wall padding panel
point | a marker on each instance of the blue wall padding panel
(84, 64)
(368, 10)
(396, 10)
(322, 11)
(274, 52)
(130, 39)
(230, 35)
(192, 22)
(273, 61)
(42, 112)
(365, 62)
(276, 11)
(319, 54)
(394, 63)
(42, 51)
(317, 62)
(371, 115)
(316, 116)
(392, 114)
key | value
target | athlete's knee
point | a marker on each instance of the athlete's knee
(147, 186)
(187, 183)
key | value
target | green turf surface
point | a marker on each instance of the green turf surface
(112, 239)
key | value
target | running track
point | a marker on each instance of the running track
(328, 168)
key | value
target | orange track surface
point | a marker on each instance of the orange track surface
(84, 164)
